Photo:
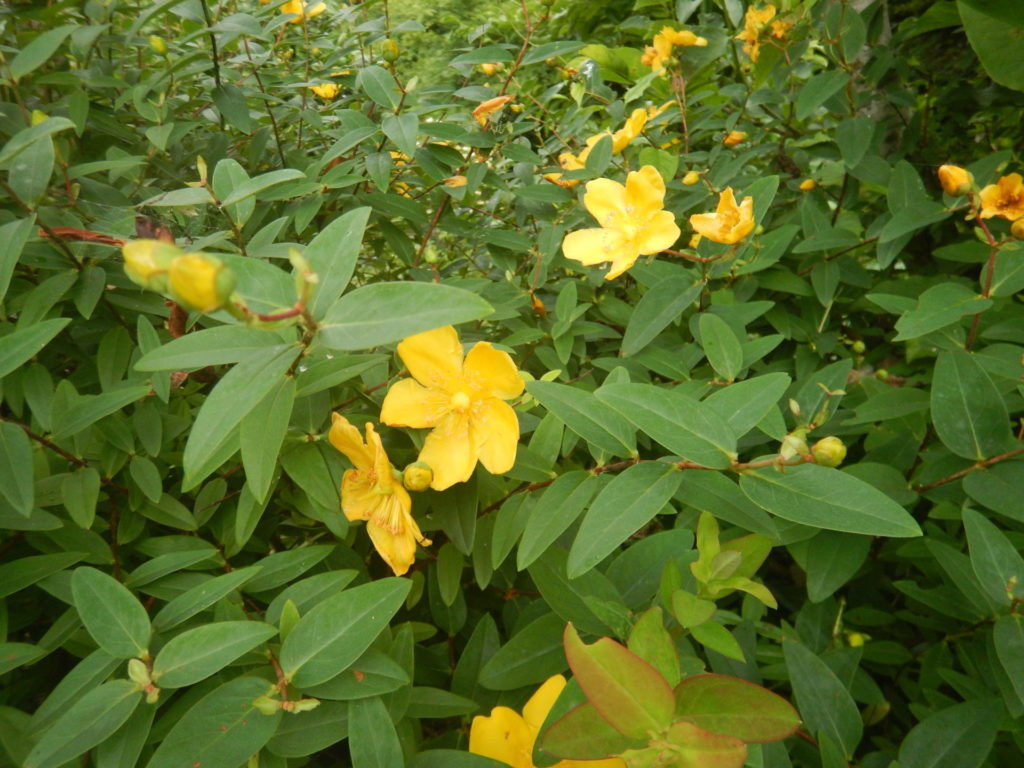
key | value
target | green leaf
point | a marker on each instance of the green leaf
(379, 85)
(261, 435)
(960, 736)
(115, 619)
(623, 507)
(722, 347)
(180, 197)
(995, 560)
(123, 748)
(310, 732)
(26, 571)
(649, 640)
(744, 403)
(210, 346)
(235, 395)
(549, 50)
(998, 42)
(530, 656)
(200, 597)
(832, 560)
(572, 599)
(223, 728)
(728, 705)
(583, 734)
(197, 653)
(16, 474)
(451, 758)
(939, 306)
(998, 488)
(583, 414)
(372, 739)
(425, 701)
(26, 137)
(14, 655)
(88, 409)
(967, 409)
(259, 183)
(689, 610)
(714, 636)
(86, 723)
(282, 567)
(402, 129)
(334, 633)
(678, 422)
(372, 674)
(660, 305)
(13, 236)
(172, 562)
(25, 343)
(569, 494)
(39, 51)
(824, 702)
(333, 254)
(818, 90)
(627, 691)
(382, 313)
(822, 497)
(147, 478)
(853, 135)
(1008, 635)
(703, 749)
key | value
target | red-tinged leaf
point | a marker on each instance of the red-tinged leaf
(734, 707)
(626, 690)
(700, 748)
(583, 734)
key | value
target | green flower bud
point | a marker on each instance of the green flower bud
(858, 347)
(267, 705)
(417, 476)
(138, 673)
(157, 44)
(200, 282)
(391, 50)
(829, 451)
(146, 262)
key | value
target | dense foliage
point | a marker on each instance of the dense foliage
(368, 371)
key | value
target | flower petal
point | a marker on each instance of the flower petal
(381, 464)
(358, 500)
(535, 711)
(495, 431)
(606, 201)
(493, 371)
(503, 736)
(450, 452)
(395, 543)
(645, 192)
(346, 438)
(593, 246)
(434, 357)
(660, 233)
(407, 404)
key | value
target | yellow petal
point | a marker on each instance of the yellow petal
(381, 464)
(492, 371)
(606, 201)
(434, 357)
(503, 736)
(495, 430)
(359, 501)
(407, 404)
(645, 192)
(450, 451)
(593, 246)
(609, 762)
(316, 10)
(660, 233)
(536, 709)
(346, 438)
(394, 533)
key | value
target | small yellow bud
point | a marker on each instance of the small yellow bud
(829, 451)
(1017, 228)
(734, 137)
(488, 68)
(858, 347)
(691, 178)
(157, 44)
(517, 108)
(955, 180)
(200, 282)
(855, 639)
(391, 50)
(881, 374)
(146, 262)
(417, 476)
(807, 185)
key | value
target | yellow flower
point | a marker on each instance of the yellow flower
(781, 28)
(633, 222)
(146, 262)
(691, 178)
(660, 51)
(730, 223)
(569, 162)
(462, 401)
(753, 22)
(734, 137)
(1004, 198)
(508, 737)
(807, 185)
(487, 108)
(326, 91)
(370, 492)
(955, 180)
(634, 125)
(200, 282)
(301, 10)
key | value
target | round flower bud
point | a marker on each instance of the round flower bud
(146, 262)
(881, 374)
(1017, 228)
(391, 50)
(138, 673)
(417, 476)
(734, 137)
(858, 347)
(829, 451)
(807, 185)
(691, 178)
(855, 639)
(200, 282)
(955, 181)
(488, 68)
(157, 44)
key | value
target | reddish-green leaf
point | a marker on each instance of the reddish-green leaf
(703, 749)
(583, 734)
(732, 706)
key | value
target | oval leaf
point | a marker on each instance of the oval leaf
(197, 653)
(115, 619)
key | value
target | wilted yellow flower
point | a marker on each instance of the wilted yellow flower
(734, 137)
(753, 22)
(807, 185)
(781, 28)
(656, 54)
(487, 108)
(146, 262)
(301, 10)
(508, 737)
(634, 125)
(633, 222)
(955, 180)
(691, 178)
(730, 223)
(454, 182)
(370, 492)
(462, 401)
(326, 90)
(1004, 198)
(200, 282)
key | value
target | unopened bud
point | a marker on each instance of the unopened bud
(855, 639)
(1017, 228)
(734, 137)
(881, 374)
(829, 451)
(488, 68)
(146, 262)
(138, 672)
(152, 694)
(157, 44)
(807, 185)
(417, 476)
(304, 705)
(267, 705)
(391, 51)
(691, 178)
(200, 282)
(955, 180)
(858, 347)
